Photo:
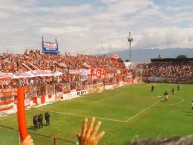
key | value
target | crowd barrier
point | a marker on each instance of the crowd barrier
(39, 138)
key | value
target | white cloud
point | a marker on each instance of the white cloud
(19, 2)
(59, 31)
(4, 15)
(166, 38)
(64, 10)
(89, 28)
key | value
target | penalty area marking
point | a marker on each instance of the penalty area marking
(159, 96)
(142, 111)
(111, 97)
(109, 119)
(82, 115)
(180, 102)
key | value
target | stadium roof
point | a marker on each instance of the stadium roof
(173, 60)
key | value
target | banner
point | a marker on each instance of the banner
(8, 92)
(35, 73)
(98, 72)
(91, 72)
(104, 71)
(115, 56)
(5, 75)
(50, 47)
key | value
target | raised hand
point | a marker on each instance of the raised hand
(89, 135)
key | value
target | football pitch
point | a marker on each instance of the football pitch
(128, 113)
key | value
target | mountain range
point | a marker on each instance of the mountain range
(145, 55)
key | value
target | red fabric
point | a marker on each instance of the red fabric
(91, 72)
(43, 99)
(98, 72)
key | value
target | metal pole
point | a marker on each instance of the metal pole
(130, 52)
(54, 141)
(130, 39)
(19, 139)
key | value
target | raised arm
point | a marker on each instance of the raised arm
(89, 135)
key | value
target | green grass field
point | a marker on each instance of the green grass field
(126, 113)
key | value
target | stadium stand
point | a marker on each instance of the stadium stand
(49, 77)
(168, 70)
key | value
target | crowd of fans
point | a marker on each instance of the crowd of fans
(177, 71)
(37, 60)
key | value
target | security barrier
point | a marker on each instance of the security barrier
(10, 136)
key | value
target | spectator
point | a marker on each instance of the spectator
(27, 141)
(89, 135)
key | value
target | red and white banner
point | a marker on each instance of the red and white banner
(8, 92)
(98, 72)
(5, 75)
(104, 71)
(27, 102)
(91, 72)
(50, 46)
(35, 73)
(115, 56)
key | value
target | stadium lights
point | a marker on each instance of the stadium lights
(130, 39)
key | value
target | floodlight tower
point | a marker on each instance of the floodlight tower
(130, 39)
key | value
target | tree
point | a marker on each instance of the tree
(181, 56)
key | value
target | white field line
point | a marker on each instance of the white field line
(64, 101)
(81, 115)
(7, 117)
(109, 119)
(159, 96)
(131, 118)
(142, 111)
(115, 120)
(111, 97)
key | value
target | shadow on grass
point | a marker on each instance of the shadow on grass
(188, 113)
(162, 101)
(33, 128)
(30, 128)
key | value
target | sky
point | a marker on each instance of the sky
(95, 26)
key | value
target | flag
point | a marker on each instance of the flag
(91, 72)
(104, 71)
(98, 73)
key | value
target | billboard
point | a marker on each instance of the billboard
(50, 47)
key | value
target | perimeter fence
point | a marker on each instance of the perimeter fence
(10, 136)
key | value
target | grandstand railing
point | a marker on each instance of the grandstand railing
(38, 138)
